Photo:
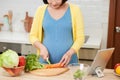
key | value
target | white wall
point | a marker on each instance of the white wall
(19, 7)
(95, 14)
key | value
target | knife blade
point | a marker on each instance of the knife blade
(48, 61)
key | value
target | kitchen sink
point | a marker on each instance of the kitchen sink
(86, 38)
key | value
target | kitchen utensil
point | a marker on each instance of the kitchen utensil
(1, 24)
(27, 22)
(49, 72)
(10, 15)
(48, 61)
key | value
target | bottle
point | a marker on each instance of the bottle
(6, 23)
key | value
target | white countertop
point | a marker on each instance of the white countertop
(14, 37)
(93, 41)
(109, 75)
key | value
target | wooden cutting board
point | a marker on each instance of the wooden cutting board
(49, 72)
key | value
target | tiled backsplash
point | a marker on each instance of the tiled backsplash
(95, 12)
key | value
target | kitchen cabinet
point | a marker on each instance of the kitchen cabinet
(86, 55)
(14, 41)
(27, 48)
(21, 49)
(4, 45)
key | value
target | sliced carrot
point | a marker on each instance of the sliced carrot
(56, 65)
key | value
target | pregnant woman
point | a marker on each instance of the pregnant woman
(57, 32)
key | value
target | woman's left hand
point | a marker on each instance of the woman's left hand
(67, 57)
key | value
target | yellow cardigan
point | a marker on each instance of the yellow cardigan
(36, 33)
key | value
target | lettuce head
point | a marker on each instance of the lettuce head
(0, 61)
(9, 59)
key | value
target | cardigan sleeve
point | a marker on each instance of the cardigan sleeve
(78, 29)
(34, 29)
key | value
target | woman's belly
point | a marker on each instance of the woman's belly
(57, 48)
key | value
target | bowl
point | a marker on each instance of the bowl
(78, 71)
(17, 71)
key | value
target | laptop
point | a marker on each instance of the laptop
(101, 59)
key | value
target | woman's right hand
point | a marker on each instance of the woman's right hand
(43, 50)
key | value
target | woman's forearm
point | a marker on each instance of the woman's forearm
(37, 45)
(71, 51)
(43, 50)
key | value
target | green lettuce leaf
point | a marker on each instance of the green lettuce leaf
(9, 58)
(32, 62)
(0, 61)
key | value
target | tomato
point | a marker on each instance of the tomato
(22, 61)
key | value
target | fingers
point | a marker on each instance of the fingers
(62, 61)
(65, 60)
(44, 53)
(45, 57)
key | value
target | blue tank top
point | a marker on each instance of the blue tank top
(58, 37)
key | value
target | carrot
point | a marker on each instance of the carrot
(56, 65)
(9, 71)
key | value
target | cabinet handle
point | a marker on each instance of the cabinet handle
(117, 29)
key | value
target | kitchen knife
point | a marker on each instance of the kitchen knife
(48, 61)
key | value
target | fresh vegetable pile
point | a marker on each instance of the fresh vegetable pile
(12, 63)
(10, 59)
(32, 62)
